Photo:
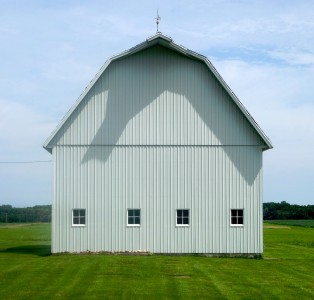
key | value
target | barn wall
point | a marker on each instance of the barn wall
(157, 97)
(157, 179)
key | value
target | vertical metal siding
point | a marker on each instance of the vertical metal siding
(157, 97)
(157, 132)
(207, 180)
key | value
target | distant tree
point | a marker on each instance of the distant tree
(38, 213)
(283, 211)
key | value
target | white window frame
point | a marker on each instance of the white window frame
(189, 217)
(79, 217)
(237, 217)
(127, 217)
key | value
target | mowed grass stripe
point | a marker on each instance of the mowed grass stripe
(186, 277)
(237, 279)
(27, 271)
(295, 277)
(68, 277)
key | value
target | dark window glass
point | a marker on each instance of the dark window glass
(134, 216)
(78, 217)
(234, 220)
(236, 216)
(183, 217)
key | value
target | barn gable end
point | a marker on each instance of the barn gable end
(145, 95)
(157, 138)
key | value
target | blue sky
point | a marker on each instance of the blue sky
(50, 50)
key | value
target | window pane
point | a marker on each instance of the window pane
(185, 213)
(233, 212)
(233, 220)
(78, 216)
(240, 220)
(240, 212)
(182, 217)
(134, 216)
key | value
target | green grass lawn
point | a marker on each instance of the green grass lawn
(302, 223)
(28, 271)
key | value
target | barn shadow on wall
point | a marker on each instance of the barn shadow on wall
(149, 85)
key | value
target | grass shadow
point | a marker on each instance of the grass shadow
(39, 250)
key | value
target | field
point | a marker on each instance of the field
(28, 271)
(302, 223)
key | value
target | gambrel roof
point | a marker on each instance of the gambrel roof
(168, 43)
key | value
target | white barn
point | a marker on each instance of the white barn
(158, 155)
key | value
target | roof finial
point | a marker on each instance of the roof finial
(157, 21)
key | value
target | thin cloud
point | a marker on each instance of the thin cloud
(294, 57)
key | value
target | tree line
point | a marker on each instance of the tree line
(38, 213)
(286, 211)
(42, 213)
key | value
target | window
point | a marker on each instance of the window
(134, 217)
(236, 217)
(78, 217)
(183, 218)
